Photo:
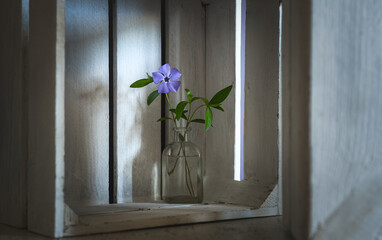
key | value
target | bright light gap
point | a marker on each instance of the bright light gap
(239, 89)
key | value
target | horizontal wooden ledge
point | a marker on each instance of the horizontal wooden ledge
(121, 217)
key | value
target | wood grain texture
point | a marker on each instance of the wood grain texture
(296, 114)
(13, 123)
(138, 216)
(261, 122)
(346, 116)
(220, 72)
(261, 92)
(269, 228)
(359, 215)
(185, 50)
(86, 102)
(46, 118)
(137, 132)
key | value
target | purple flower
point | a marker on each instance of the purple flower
(167, 79)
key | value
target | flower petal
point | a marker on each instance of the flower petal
(163, 88)
(174, 85)
(175, 74)
(157, 77)
(165, 70)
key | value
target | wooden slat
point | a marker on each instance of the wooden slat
(345, 118)
(86, 102)
(13, 106)
(185, 50)
(137, 132)
(220, 72)
(296, 131)
(160, 215)
(261, 106)
(46, 118)
(261, 91)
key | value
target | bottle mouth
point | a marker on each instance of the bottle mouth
(182, 129)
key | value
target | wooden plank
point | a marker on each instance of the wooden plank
(86, 102)
(220, 72)
(13, 105)
(269, 228)
(137, 132)
(46, 118)
(345, 118)
(185, 50)
(156, 216)
(364, 204)
(296, 142)
(261, 91)
(261, 122)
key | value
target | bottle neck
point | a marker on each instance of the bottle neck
(181, 134)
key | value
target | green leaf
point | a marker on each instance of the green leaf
(163, 118)
(149, 77)
(152, 97)
(142, 82)
(215, 105)
(198, 120)
(219, 108)
(221, 95)
(179, 109)
(209, 118)
(205, 100)
(184, 116)
(189, 95)
(174, 111)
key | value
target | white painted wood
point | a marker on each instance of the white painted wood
(360, 215)
(261, 122)
(345, 118)
(137, 132)
(86, 102)
(296, 90)
(13, 105)
(71, 218)
(185, 50)
(138, 216)
(46, 118)
(220, 72)
(261, 91)
(285, 112)
(255, 228)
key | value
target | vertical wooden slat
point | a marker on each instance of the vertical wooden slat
(296, 107)
(185, 50)
(87, 102)
(220, 72)
(261, 104)
(13, 123)
(46, 118)
(261, 91)
(345, 119)
(138, 135)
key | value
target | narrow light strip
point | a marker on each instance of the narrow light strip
(239, 90)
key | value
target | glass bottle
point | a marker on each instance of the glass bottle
(182, 173)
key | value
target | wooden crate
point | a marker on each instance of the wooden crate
(70, 114)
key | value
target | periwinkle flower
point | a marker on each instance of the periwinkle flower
(167, 78)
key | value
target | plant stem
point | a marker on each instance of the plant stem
(169, 104)
(176, 163)
(190, 119)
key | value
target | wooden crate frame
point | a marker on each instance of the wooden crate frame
(47, 212)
